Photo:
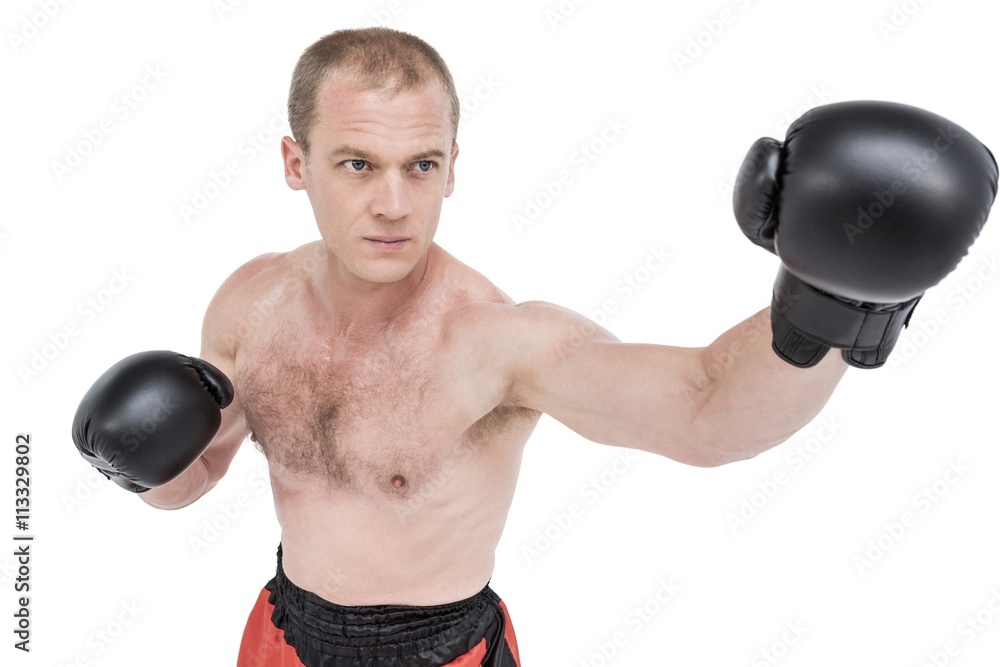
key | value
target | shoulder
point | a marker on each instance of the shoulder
(480, 308)
(518, 339)
(253, 291)
(461, 283)
(534, 328)
(525, 343)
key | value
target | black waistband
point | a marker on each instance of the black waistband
(325, 634)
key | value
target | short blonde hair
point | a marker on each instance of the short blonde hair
(378, 58)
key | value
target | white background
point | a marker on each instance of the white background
(102, 558)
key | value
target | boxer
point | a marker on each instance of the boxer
(392, 388)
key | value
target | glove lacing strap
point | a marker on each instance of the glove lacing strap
(806, 322)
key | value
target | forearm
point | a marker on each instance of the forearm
(752, 400)
(192, 484)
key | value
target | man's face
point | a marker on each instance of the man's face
(378, 170)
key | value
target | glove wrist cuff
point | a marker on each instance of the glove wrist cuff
(806, 322)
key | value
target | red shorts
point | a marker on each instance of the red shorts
(291, 627)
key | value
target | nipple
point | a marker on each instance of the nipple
(398, 481)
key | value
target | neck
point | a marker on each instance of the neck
(358, 308)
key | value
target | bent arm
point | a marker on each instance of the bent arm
(218, 347)
(202, 475)
(701, 406)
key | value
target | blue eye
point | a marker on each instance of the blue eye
(355, 165)
(425, 166)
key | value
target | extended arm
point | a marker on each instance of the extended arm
(752, 400)
(847, 282)
(702, 406)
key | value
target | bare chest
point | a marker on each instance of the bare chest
(386, 420)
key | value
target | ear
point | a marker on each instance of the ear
(450, 186)
(295, 163)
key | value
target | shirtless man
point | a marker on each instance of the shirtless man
(392, 388)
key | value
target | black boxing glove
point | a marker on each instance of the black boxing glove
(868, 204)
(149, 417)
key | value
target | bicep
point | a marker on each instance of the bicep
(642, 396)
(232, 430)
(218, 347)
(548, 342)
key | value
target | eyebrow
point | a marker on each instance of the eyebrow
(346, 150)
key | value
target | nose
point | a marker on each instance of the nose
(392, 200)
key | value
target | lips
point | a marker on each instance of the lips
(387, 239)
(387, 243)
